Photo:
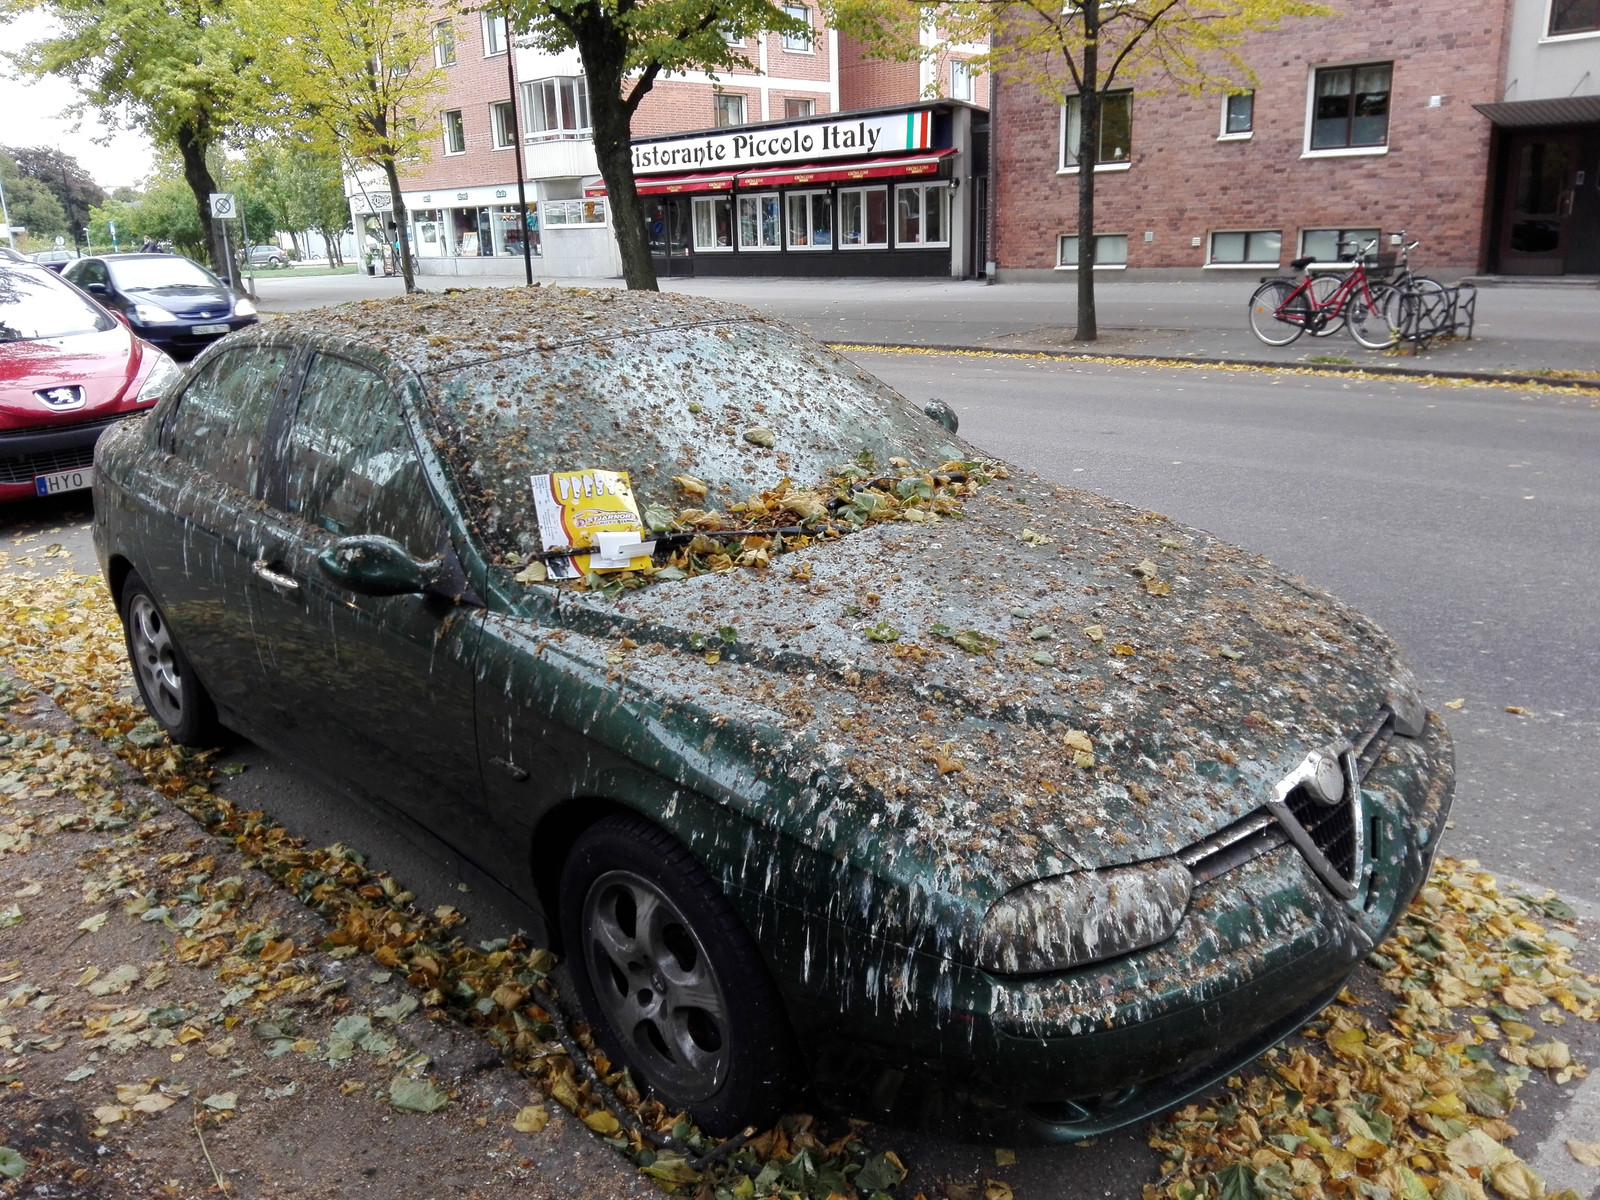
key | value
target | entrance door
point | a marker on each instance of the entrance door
(1541, 183)
(667, 220)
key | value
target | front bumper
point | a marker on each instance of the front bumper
(25, 454)
(182, 342)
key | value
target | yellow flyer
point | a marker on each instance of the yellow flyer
(574, 507)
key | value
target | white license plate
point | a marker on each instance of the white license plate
(205, 329)
(64, 481)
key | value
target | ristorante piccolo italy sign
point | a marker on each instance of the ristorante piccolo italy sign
(845, 138)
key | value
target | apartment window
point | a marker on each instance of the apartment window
(455, 133)
(503, 124)
(558, 107)
(864, 218)
(1350, 106)
(795, 107)
(591, 210)
(1324, 244)
(1574, 16)
(960, 79)
(444, 43)
(1252, 247)
(713, 222)
(810, 220)
(1238, 114)
(727, 108)
(922, 214)
(1116, 131)
(1110, 251)
(758, 222)
(800, 42)
(494, 36)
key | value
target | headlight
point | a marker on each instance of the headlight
(1074, 919)
(162, 376)
(243, 308)
(152, 314)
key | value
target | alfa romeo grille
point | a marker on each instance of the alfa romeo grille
(1333, 830)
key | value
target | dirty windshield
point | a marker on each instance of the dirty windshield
(739, 405)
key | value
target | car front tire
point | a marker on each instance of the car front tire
(167, 683)
(670, 979)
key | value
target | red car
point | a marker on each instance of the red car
(68, 370)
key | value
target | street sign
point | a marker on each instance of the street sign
(222, 206)
(60, 241)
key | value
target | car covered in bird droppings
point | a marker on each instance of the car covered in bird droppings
(831, 752)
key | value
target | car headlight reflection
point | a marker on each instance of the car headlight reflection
(243, 308)
(163, 375)
(1069, 920)
(152, 314)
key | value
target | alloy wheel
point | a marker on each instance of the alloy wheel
(155, 658)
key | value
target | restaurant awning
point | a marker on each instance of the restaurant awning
(926, 163)
(673, 184)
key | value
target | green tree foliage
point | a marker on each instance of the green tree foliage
(31, 205)
(303, 189)
(73, 187)
(164, 212)
(626, 46)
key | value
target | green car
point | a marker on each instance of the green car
(961, 798)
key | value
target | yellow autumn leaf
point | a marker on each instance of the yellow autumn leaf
(1364, 1147)
(1521, 995)
(1078, 739)
(1348, 1042)
(1551, 1055)
(1516, 1180)
(994, 1189)
(1341, 1163)
(531, 1118)
(1587, 1153)
(602, 1122)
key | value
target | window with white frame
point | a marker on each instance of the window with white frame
(1247, 247)
(810, 221)
(1110, 251)
(1350, 107)
(590, 210)
(713, 223)
(727, 108)
(960, 79)
(555, 108)
(1116, 131)
(798, 42)
(795, 107)
(864, 218)
(455, 132)
(1574, 16)
(444, 42)
(1238, 114)
(922, 214)
(1326, 245)
(759, 227)
(503, 124)
(494, 35)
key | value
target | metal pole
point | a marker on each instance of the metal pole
(249, 267)
(5, 215)
(516, 141)
(227, 255)
(66, 190)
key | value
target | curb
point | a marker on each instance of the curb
(1212, 361)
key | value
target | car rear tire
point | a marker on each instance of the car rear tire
(670, 979)
(171, 692)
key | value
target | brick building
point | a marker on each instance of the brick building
(1360, 124)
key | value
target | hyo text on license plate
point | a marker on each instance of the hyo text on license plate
(63, 481)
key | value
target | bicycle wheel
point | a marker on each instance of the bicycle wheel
(1433, 306)
(1374, 315)
(1278, 314)
(1322, 289)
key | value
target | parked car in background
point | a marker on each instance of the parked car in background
(69, 370)
(166, 298)
(975, 800)
(55, 259)
(269, 256)
(9, 255)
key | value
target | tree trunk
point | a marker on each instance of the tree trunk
(192, 148)
(401, 232)
(1088, 155)
(613, 149)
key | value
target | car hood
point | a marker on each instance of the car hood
(186, 300)
(924, 691)
(104, 364)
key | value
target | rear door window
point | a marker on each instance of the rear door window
(220, 425)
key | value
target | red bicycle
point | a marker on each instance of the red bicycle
(1282, 309)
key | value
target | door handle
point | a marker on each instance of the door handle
(288, 585)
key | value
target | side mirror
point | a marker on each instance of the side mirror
(97, 289)
(370, 565)
(943, 414)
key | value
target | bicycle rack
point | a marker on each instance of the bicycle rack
(1449, 313)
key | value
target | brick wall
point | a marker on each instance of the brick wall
(871, 83)
(1184, 183)
(473, 82)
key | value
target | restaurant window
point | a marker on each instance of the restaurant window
(444, 43)
(1116, 131)
(758, 222)
(503, 124)
(922, 214)
(591, 210)
(1110, 251)
(1324, 244)
(727, 108)
(960, 79)
(1350, 107)
(1238, 114)
(799, 42)
(1574, 16)
(555, 108)
(810, 220)
(713, 222)
(1251, 247)
(455, 132)
(494, 36)
(796, 107)
(864, 218)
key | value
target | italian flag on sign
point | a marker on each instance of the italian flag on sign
(919, 130)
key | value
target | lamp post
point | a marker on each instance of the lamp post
(5, 216)
(516, 142)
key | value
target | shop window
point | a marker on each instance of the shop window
(810, 220)
(494, 36)
(960, 79)
(591, 210)
(713, 222)
(1116, 131)
(798, 42)
(556, 108)
(758, 222)
(455, 132)
(1252, 247)
(1110, 251)
(864, 218)
(1350, 107)
(504, 124)
(509, 229)
(1574, 16)
(727, 108)
(444, 43)
(796, 107)
(1238, 115)
(1323, 244)
(922, 214)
